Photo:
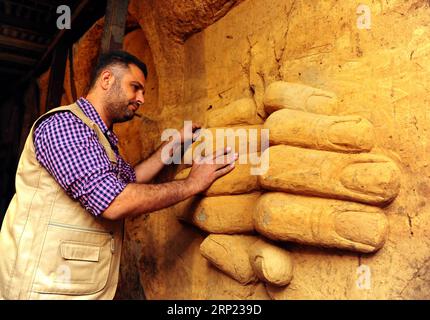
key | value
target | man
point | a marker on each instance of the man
(62, 234)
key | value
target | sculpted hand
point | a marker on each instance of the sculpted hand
(323, 187)
(326, 157)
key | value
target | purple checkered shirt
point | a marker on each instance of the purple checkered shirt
(73, 155)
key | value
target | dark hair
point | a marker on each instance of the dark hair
(121, 58)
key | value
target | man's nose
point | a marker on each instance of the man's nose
(140, 98)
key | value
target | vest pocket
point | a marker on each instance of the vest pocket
(73, 261)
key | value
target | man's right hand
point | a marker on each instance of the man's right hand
(206, 170)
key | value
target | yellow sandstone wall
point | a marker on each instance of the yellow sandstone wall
(353, 224)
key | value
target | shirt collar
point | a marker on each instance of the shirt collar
(92, 113)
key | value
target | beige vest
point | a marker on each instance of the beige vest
(50, 246)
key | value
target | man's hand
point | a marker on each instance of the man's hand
(138, 199)
(189, 127)
(206, 170)
(187, 136)
(149, 168)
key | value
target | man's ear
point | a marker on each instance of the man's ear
(106, 79)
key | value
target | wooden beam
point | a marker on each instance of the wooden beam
(56, 78)
(20, 52)
(72, 75)
(13, 71)
(19, 22)
(19, 43)
(4, 56)
(31, 7)
(7, 29)
(44, 3)
(113, 32)
(61, 33)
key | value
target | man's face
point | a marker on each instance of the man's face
(126, 94)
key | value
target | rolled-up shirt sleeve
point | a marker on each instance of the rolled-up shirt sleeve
(72, 154)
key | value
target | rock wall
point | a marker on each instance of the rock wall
(342, 212)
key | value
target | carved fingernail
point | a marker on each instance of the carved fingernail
(354, 134)
(380, 179)
(368, 228)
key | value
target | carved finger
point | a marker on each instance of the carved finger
(223, 214)
(367, 178)
(240, 180)
(320, 222)
(239, 112)
(310, 130)
(281, 94)
(242, 140)
(229, 253)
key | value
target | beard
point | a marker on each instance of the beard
(116, 103)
